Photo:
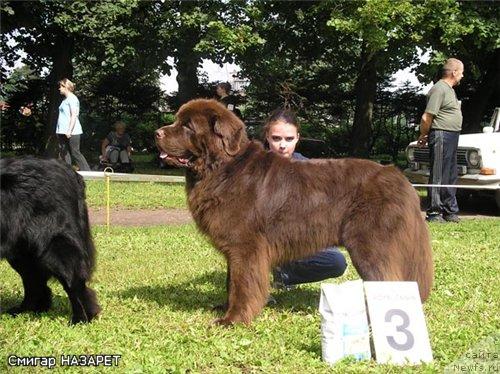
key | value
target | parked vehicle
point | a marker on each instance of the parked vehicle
(478, 158)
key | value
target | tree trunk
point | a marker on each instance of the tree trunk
(397, 140)
(365, 88)
(187, 60)
(187, 76)
(473, 110)
(62, 68)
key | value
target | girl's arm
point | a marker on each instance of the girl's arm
(104, 144)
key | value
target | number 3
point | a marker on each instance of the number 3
(410, 340)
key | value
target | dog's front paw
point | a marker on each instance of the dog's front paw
(14, 311)
(224, 322)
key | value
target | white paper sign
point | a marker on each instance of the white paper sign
(398, 325)
(344, 323)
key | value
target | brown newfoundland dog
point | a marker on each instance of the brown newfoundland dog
(260, 209)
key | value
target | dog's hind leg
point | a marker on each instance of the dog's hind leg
(248, 286)
(69, 267)
(223, 307)
(37, 295)
(83, 300)
(371, 267)
(89, 299)
(401, 255)
(385, 234)
(376, 256)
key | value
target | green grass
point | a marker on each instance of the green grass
(157, 286)
(140, 195)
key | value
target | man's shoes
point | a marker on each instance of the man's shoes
(279, 280)
(442, 218)
(451, 218)
(435, 218)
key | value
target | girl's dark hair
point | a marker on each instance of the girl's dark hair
(226, 86)
(281, 114)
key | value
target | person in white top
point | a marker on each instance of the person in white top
(69, 128)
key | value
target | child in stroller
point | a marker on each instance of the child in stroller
(116, 150)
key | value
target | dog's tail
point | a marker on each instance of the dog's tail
(83, 217)
(413, 237)
(416, 244)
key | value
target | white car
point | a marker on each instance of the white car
(478, 158)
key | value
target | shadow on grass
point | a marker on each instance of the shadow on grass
(60, 306)
(209, 290)
(470, 204)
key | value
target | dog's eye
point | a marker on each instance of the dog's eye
(187, 126)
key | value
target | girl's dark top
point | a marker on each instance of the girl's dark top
(299, 156)
(230, 103)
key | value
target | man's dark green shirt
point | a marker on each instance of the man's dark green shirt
(443, 104)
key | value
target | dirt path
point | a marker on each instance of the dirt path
(143, 217)
(146, 217)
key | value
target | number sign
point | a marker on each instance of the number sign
(397, 320)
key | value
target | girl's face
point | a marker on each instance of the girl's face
(220, 91)
(282, 138)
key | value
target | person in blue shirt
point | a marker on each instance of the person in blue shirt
(282, 133)
(69, 128)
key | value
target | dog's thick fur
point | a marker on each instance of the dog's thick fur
(261, 209)
(45, 232)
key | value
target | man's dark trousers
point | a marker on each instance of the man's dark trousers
(443, 170)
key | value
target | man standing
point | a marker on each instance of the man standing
(440, 128)
(223, 90)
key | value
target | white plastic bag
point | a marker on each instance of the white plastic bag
(344, 323)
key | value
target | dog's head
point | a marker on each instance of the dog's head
(204, 134)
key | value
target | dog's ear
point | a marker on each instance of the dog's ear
(231, 132)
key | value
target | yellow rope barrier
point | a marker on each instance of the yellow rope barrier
(107, 172)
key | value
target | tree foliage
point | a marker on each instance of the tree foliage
(330, 60)
(467, 30)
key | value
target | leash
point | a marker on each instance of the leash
(465, 186)
(107, 172)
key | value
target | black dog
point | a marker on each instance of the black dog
(45, 232)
